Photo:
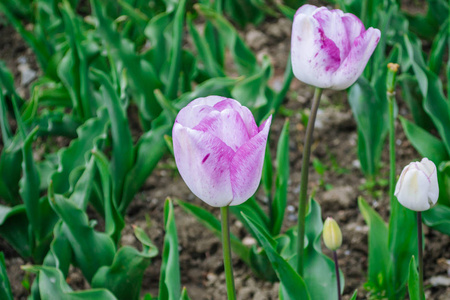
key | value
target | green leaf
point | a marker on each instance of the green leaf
(53, 286)
(413, 281)
(355, 295)
(319, 273)
(14, 228)
(279, 203)
(426, 144)
(438, 218)
(148, 151)
(29, 185)
(212, 223)
(89, 135)
(438, 49)
(378, 279)
(169, 283)
(60, 254)
(292, 285)
(114, 222)
(184, 295)
(252, 209)
(371, 115)
(175, 55)
(267, 173)
(124, 276)
(11, 170)
(91, 249)
(243, 57)
(5, 286)
(402, 245)
(122, 143)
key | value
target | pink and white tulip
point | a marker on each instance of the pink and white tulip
(219, 150)
(418, 188)
(329, 48)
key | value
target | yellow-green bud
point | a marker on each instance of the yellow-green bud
(332, 235)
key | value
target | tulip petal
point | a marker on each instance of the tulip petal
(334, 29)
(353, 27)
(314, 56)
(306, 9)
(196, 110)
(243, 111)
(414, 189)
(226, 125)
(352, 67)
(246, 166)
(203, 161)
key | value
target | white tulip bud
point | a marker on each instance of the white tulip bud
(417, 188)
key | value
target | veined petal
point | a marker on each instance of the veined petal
(353, 27)
(190, 115)
(243, 111)
(246, 166)
(203, 161)
(209, 101)
(355, 62)
(314, 56)
(334, 29)
(226, 125)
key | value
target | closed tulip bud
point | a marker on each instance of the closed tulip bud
(417, 188)
(332, 236)
(219, 150)
(329, 48)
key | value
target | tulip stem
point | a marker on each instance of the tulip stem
(303, 200)
(227, 252)
(391, 100)
(420, 248)
(338, 277)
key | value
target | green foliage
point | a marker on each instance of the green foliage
(5, 287)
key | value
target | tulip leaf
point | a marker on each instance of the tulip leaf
(371, 115)
(184, 295)
(243, 57)
(426, 144)
(292, 285)
(169, 283)
(52, 285)
(413, 281)
(319, 272)
(438, 48)
(212, 223)
(122, 144)
(378, 279)
(14, 228)
(89, 134)
(148, 151)
(175, 52)
(355, 295)
(29, 185)
(124, 276)
(5, 286)
(267, 174)
(204, 51)
(279, 203)
(252, 209)
(91, 249)
(60, 253)
(114, 222)
(11, 170)
(438, 218)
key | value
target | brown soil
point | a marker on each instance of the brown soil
(200, 251)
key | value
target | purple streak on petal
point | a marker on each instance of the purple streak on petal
(362, 48)
(353, 27)
(227, 125)
(191, 115)
(246, 166)
(310, 63)
(243, 111)
(331, 23)
(209, 179)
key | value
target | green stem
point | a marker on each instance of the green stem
(391, 100)
(338, 277)
(304, 180)
(420, 248)
(227, 252)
